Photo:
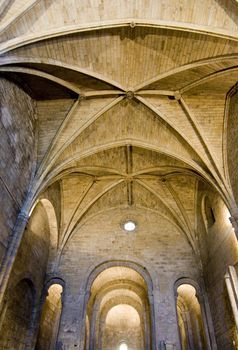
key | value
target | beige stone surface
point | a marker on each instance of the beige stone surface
(114, 111)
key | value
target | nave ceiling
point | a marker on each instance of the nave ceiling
(131, 110)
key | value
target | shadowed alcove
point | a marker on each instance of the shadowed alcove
(119, 310)
(50, 318)
(190, 319)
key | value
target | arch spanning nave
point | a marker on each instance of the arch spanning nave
(118, 174)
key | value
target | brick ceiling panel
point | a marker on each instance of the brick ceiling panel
(30, 19)
(144, 159)
(91, 195)
(174, 114)
(126, 57)
(124, 122)
(117, 273)
(161, 190)
(73, 189)
(115, 198)
(83, 82)
(176, 81)
(48, 123)
(79, 116)
(185, 191)
(111, 159)
(147, 199)
(119, 293)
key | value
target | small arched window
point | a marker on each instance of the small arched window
(123, 346)
(208, 214)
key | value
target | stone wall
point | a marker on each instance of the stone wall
(32, 256)
(219, 249)
(17, 317)
(17, 128)
(30, 264)
(232, 149)
(112, 337)
(132, 115)
(156, 245)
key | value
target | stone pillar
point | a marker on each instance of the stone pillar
(57, 323)
(189, 328)
(154, 335)
(92, 332)
(232, 289)
(167, 332)
(164, 345)
(188, 338)
(36, 319)
(3, 311)
(72, 325)
(207, 321)
(147, 326)
(234, 221)
(9, 259)
(84, 297)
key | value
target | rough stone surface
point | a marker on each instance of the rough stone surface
(117, 111)
(17, 134)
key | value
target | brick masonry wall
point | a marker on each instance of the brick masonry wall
(113, 335)
(17, 129)
(219, 249)
(30, 264)
(232, 149)
(156, 245)
(17, 320)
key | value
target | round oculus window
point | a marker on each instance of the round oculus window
(129, 226)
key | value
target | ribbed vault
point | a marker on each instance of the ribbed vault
(131, 112)
(134, 116)
(128, 115)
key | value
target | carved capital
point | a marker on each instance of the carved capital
(234, 222)
(22, 221)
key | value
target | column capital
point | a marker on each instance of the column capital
(234, 221)
(23, 217)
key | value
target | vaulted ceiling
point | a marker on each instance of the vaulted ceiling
(132, 101)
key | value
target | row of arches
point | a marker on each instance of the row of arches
(119, 313)
(22, 316)
(25, 294)
(121, 303)
(118, 310)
